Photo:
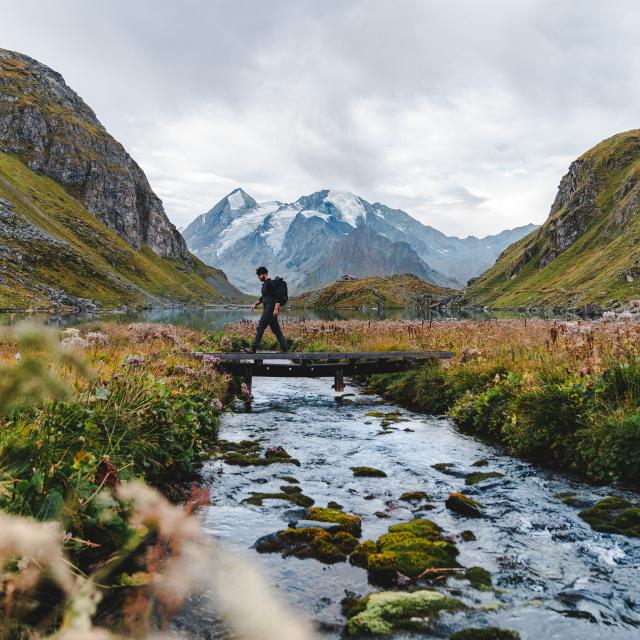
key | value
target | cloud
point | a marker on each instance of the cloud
(466, 114)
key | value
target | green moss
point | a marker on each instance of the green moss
(413, 496)
(368, 472)
(614, 515)
(478, 577)
(408, 548)
(464, 505)
(309, 542)
(334, 505)
(483, 462)
(383, 613)
(350, 523)
(486, 633)
(290, 479)
(475, 478)
(443, 467)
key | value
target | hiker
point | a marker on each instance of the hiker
(273, 294)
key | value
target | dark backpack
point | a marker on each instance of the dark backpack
(282, 293)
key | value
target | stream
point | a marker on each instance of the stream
(553, 577)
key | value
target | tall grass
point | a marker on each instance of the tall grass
(565, 394)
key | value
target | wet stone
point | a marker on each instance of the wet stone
(613, 515)
(464, 505)
(368, 472)
(414, 496)
(294, 497)
(480, 476)
(483, 462)
(382, 613)
(486, 633)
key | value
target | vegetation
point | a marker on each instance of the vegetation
(602, 266)
(393, 292)
(82, 415)
(564, 394)
(94, 262)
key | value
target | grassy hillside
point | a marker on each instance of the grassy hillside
(397, 291)
(588, 251)
(91, 261)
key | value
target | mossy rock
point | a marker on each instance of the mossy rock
(413, 496)
(487, 633)
(479, 578)
(483, 462)
(573, 499)
(294, 497)
(408, 548)
(468, 536)
(443, 467)
(464, 505)
(348, 522)
(368, 472)
(613, 515)
(319, 544)
(481, 476)
(382, 613)
(334, 505)
(289, 479)
(247, 454)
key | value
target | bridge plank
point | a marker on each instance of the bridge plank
(329, 355)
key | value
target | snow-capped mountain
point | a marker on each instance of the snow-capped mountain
(318, 238)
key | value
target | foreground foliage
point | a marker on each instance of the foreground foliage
(82, 413)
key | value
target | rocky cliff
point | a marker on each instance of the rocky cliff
(55, 133)
(587, 253)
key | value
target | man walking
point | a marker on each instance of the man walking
(270, 309)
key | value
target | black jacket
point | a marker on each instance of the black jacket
(268, 295)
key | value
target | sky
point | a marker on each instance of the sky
(464, 113)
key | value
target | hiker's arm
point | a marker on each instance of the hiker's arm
(276, 309)
(257, 303)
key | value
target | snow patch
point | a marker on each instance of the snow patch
(349, 206)
(310, 213)
(280, 222)
(236, 200)
(245, 224)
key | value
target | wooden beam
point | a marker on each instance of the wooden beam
(330, 355)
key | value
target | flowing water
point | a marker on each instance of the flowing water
(553, 576)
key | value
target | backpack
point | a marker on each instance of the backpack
(282, 293)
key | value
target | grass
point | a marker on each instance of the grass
(564, 394)
(82, 414)
(96, 263)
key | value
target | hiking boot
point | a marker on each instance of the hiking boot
(248, 349)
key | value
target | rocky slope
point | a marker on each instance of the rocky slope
(54, 132)
(322, 236)
(587, 253)
(80, 227)
(393, 292)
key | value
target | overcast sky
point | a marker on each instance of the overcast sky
(466, 114)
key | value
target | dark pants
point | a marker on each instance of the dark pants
(267, 319)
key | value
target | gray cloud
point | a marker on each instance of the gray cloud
(464, 113)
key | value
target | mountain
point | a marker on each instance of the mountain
(587, 253)
(392, 292)
(79, 224)
(320, 237)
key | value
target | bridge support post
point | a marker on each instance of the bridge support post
(338, 380)
(248, 381)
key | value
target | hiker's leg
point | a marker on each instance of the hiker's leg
(263, 323)
(275, 327)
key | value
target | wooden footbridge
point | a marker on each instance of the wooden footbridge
(334, 365)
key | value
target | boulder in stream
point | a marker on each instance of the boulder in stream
(464, 505)
(382, 613)
(613, 515)
(368, 472)
(407, 549)
(486, 633)
(481, 476)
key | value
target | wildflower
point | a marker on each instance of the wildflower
(97, 338)
(74, 342)
(18, 357)
(134, 361)
(244, 390)
(216, 404)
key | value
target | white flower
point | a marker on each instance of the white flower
(18, 356)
